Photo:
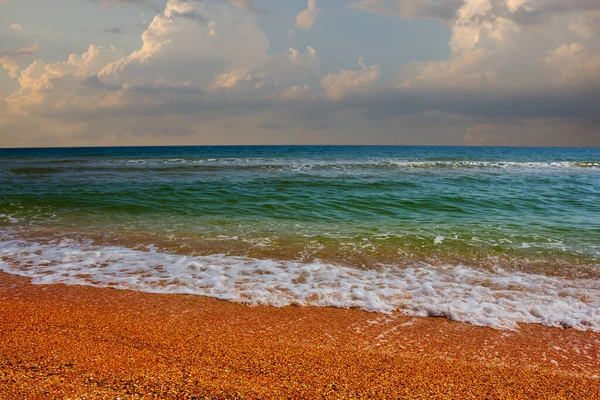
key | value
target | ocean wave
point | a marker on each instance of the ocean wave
(300, 165)
(320, 164)
(498, 298)
(291, 164)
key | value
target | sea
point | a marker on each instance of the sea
(491, 236)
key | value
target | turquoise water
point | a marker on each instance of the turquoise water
(532, 211)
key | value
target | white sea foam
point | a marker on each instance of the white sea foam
(303, 164)
(499, 299)
(9, 218)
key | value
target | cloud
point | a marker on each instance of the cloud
(492, 50)
(228, 55)
(573, 65)
(16, 27)
(9, 62)
(522, 12)
(115, 30)
(337, 86)
(237, 78)
(533, 132)
(295, 93)
(535, 12)
(476, 135)
(225, 39)
(143, 3)
(271, 126)
(11, 65)
(411, 9)
(308, 59)
(58, 85)
(207, 66)
(245, 4)
(306, 18)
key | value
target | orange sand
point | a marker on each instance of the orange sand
(77, 342)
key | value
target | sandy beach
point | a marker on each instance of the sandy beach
(62, 341)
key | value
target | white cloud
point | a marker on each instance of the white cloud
(11, 65)
(337, 86)
(492, 48)
(16, 27)
(308, 59)
(238, 78)
(9, 62)
(177, 47)
(573, 66)
(59, 85)
(201, 51)
(204, 64)
(306, 18)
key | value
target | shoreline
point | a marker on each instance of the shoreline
(73, 341)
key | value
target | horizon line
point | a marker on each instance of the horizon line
(294, 145)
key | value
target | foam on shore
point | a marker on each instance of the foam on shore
(499, 298)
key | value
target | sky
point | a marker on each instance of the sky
(222, 72)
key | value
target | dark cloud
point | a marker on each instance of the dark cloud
(547, 9)
(576, 106)
(95, 83)
(573, 106)
(191, 15)
(153, 4)
(115, 30)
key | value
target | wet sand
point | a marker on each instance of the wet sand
(62, 341)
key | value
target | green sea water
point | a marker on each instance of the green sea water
(533, 211)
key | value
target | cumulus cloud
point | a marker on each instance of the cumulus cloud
(227, 56)
(306, 18)
(16, 27)
(527, 12)
(573, 65)
(308, 59)
(524, 12)
(238, 78)
(337, 86)
(10, 64)
(224, 40)
(8, 59)
(208, 66)
(492, 49)
(58, 85)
